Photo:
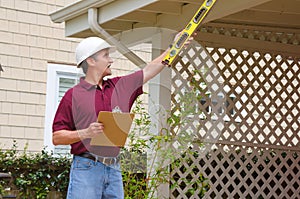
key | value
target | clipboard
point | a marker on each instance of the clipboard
(116, 129)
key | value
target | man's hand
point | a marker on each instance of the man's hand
(191, 38)
(93, 130)
(158, 64)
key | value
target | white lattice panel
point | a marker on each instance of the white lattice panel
(250, 107)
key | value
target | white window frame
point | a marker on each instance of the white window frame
(54, 72)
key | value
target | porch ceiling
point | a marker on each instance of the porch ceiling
(116, 16)
(120, 16)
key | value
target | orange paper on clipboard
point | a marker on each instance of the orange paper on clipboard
(116, 129)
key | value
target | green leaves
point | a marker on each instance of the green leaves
(167, 146)
(35, 174)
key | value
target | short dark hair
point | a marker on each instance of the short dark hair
(84, 65)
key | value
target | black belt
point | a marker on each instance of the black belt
(104, 160)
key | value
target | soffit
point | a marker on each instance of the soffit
(132, 21)
(117, 16)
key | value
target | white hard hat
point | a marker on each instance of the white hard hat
(90, 46)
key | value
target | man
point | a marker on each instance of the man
(95, 170)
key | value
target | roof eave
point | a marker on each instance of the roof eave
(76, 9)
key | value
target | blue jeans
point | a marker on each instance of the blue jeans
(94, 180)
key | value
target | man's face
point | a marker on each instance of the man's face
(102, 62)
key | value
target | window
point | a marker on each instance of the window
(59, 79)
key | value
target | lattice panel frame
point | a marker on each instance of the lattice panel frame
(252, 32)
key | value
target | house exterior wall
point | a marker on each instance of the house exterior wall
(29, 41)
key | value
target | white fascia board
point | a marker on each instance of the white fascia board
(76, 9)
(76, 18)
(109, 9)
(76, 25)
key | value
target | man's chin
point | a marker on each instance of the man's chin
(108, 72)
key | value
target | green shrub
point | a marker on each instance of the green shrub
(34, 175)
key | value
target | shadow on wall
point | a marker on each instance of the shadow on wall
(1, 69)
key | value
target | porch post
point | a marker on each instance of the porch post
(159, 101)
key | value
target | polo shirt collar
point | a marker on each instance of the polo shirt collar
(89, 86)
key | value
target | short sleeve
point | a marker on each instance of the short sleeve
(63, 119)
(127, 89)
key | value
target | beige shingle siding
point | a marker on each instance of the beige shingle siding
(28, 41)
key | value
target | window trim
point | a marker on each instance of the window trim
(54, 71)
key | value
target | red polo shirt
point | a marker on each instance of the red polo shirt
(81, 104)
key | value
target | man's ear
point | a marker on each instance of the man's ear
(90, 61)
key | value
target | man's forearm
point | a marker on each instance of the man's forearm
(65, 137)
(154, 67)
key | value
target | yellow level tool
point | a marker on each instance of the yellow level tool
(188, 31)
